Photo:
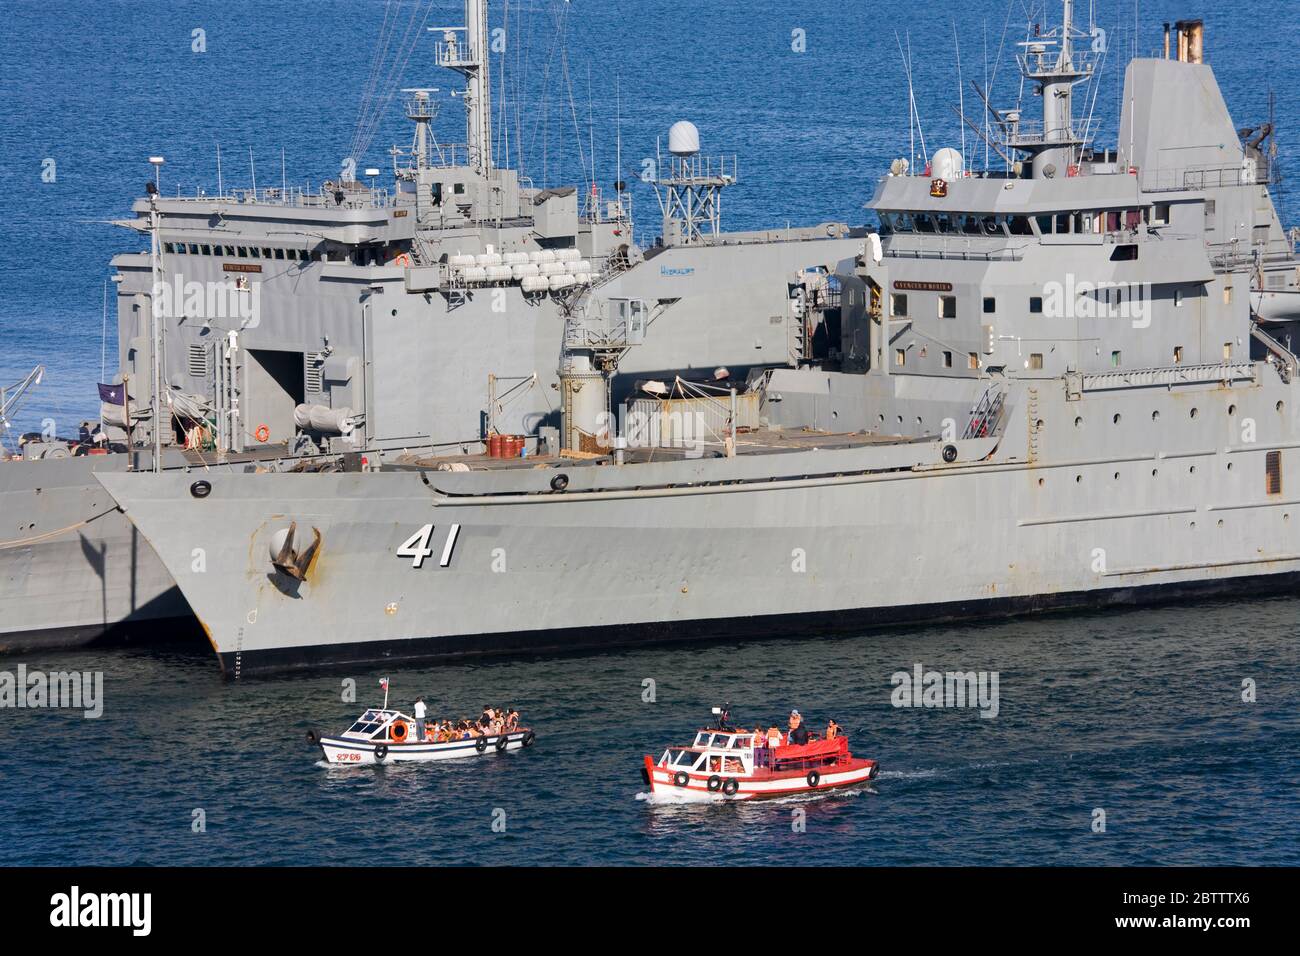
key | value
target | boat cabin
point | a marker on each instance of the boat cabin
(374, 724)
(713, 751)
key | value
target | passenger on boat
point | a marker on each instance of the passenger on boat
(512, 719)
(832, 729)
(774, 736)
(420, 713)
(797, 734)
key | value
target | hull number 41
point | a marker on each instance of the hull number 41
(417, 546)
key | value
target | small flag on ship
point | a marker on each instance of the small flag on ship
(383, 682)
(112, 394)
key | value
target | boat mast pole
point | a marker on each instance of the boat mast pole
(155, 331)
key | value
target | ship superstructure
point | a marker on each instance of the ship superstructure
(315, 327)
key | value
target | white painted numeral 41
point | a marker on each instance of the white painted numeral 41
(416, 547)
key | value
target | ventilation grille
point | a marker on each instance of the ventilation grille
(1273, 472)
(198, 360)
(314, 372)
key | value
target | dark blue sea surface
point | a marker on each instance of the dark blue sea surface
(1137, 714)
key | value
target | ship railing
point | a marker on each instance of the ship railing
(947, 249)
(1196, 178)
(986, 416)
(1225, 373)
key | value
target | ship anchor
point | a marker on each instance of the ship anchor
(291, 562)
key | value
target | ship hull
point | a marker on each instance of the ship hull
(73, 570)
(804, 542)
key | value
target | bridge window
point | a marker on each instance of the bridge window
(898, 304)
(990, 305)
(1160, 214)
(947, 360)
(900, 357)
(947, 307)
(972, 360)
(1020, 226)
(1178, 355)
(1036, 360)
(1035, 305)
(1116, 358)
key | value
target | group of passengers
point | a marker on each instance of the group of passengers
(492, 722)
(796, 733)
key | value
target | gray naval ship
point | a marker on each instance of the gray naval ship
(298, 329)
(1054, 388)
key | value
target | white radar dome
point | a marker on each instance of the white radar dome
(946, 164)
(683, 139)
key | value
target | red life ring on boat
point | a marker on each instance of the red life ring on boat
(402, 260)
(262, 434)
(398, 731)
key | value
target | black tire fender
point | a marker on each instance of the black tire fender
(381, 752)
(313, 736)
(814, 778)
(559, 482)
(502, 743)
(714, 784)
(530, 737)
(481, 744)
(950, 453)
(730, 786)
(681, 778)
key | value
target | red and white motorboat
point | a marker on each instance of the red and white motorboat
(727, 764)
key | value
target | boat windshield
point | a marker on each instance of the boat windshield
(682, 758)
(368, 724)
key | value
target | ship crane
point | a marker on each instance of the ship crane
(11, 398)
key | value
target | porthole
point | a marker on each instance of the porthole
(1232, 409)
(1155, 416)
(1078, 423)
(1117, 476)
(1193, 413)
(1078, 479)
(1155, 472)
(1191, 470)
(1220, 522)
(1040, 482)
(1229, 466)
(1279, 407)
(1115, 420)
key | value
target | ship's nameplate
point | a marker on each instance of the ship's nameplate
(241, 267)
(399, 213)
(911, 286)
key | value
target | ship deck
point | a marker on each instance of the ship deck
(755, 442)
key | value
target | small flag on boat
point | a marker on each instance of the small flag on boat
(383, 682)
(112, 394)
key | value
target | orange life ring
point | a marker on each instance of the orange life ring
(398, 731)
(263, 433)
(402, 259)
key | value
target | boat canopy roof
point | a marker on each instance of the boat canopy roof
(723, 740)
(373, 721)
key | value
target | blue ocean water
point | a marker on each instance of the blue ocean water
(1136, 714)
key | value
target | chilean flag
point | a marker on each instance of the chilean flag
(383, 683)
(112, 394)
